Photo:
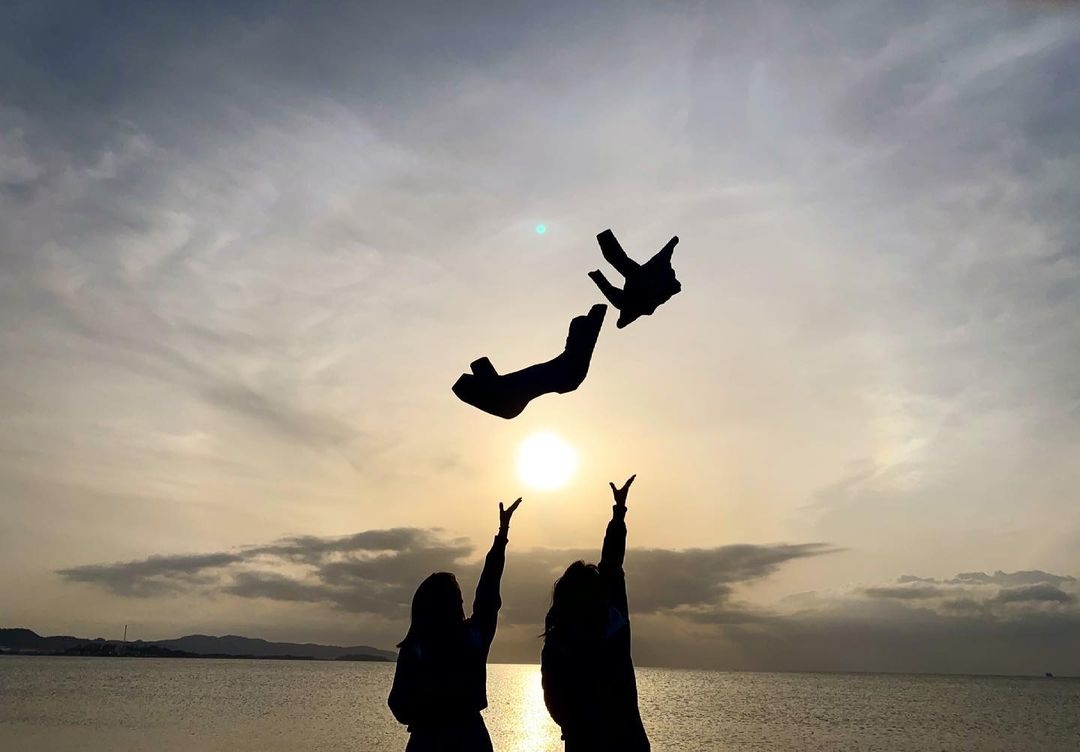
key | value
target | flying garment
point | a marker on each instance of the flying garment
(647, 285)
(506, 395)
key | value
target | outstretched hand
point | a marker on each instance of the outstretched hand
(620, 493)
(506, 514)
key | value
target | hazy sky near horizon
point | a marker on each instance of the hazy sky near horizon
(245, 252)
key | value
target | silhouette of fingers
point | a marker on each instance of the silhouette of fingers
(668, 249)
(609, 291)
(620, 493)
(505, 514)
(615, 255)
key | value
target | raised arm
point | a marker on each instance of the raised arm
(487, 602)
(614, 550)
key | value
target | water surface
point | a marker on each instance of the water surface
(167, 705)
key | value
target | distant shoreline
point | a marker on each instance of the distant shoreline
(182, 654)
(22, 641)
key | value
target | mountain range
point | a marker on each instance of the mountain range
(26, 641)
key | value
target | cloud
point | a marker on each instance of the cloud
(689, 606)
(973, 622)
(155, 575)
(903, 592)
(665, 579)
(372, 572)
(984, 629)
(376, 572)
(1011, 579)
(1034, 594)
(311, 548)
(275, 587)
(978, 591)
(915, 624)
(1000, 596)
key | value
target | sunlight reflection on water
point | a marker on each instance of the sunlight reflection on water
(517, 717)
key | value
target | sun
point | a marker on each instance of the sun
(545, 461)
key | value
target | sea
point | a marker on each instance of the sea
(62, 704)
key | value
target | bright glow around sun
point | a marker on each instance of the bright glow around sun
(545, 461)
(541, 229)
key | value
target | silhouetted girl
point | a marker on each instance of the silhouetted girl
(588, 674)
(440, 684)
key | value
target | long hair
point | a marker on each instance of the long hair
(578, 602)
(437, 609)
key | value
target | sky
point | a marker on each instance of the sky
(246, 248)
